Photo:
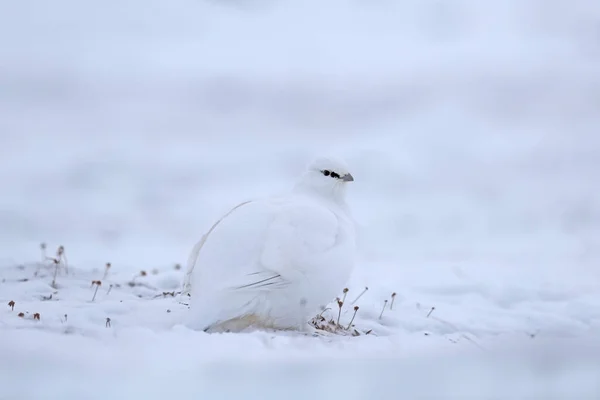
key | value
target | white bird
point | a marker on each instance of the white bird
(273, 263)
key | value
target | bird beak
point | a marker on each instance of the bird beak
(348, 178)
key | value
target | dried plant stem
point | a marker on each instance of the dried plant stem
(383, 309)
(106, 269)
(97, 283)
(340, 305)
(56, 266)
(430, 311)
(43, 251)
(345, 293)
(95, 291)
(392, 303)
(60, 256)
(325, 309)
(352, 320)
(360, 295)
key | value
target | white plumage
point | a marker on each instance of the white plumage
(272, 263)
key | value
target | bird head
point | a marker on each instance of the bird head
(327, 176)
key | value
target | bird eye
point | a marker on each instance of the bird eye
(326, 172)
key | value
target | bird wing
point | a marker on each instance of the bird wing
(299, 240)
(227, 257)
(298, 236)
(260, 280)
(193, 257)
(271, 243)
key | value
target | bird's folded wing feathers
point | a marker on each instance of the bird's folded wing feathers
(298, 237)
(259, 280)
(196, 250)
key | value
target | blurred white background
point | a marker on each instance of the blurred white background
(471, 127)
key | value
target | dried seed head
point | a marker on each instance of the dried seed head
(383, 309)
(108, 265)
(340, 303)
(21, 315)
(99, 283)
(430, 311)
(177, 267)
(345, 290)
(143, 273)
(393, 298)
(36, 316)
(11, 304)
(354, 316)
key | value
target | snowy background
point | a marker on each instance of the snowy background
(471, 128)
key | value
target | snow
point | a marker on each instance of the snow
(471, 128)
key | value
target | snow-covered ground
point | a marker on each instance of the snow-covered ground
(472, 131)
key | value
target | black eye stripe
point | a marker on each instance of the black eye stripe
(330, 173)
